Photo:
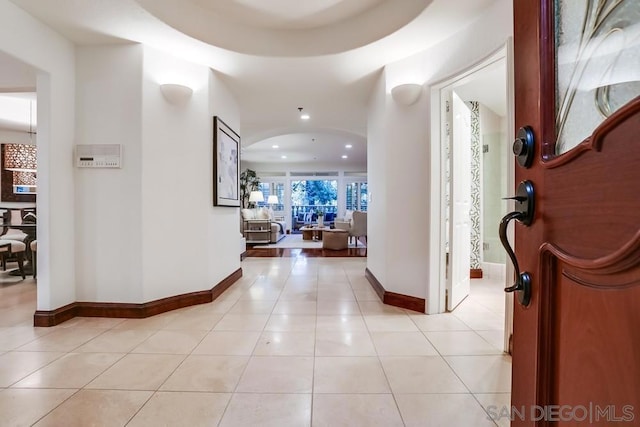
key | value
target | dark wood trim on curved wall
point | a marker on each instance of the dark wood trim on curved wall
(133, 311)
(392, 298)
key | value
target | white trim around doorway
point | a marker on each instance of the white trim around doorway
(437, 251)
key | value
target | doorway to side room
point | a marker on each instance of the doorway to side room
(471, 171)
(18, 134)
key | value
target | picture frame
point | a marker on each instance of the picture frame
(226, 165)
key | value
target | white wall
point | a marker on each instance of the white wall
(35, 44)
(188, 245)
(149, 230)
(494, 183)
(108, 201)
(400, 151)
(223, 233)
(378, 210)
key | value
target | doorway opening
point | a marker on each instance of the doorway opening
(18, 171)
(472, 116)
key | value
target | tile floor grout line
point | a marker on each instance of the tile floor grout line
(325, 272)
(315, 357)
(57, 406)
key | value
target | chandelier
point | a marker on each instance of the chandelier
(20, 157)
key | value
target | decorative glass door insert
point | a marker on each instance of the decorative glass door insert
(597, 64)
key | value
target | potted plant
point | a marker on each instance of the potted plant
(249, 181)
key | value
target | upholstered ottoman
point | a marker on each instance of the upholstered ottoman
(335, 239)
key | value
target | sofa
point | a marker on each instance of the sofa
(278, 228)
(309, 218)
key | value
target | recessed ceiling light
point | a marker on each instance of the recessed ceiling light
(284, 157)
(303, 116)
(275, 146)
(348, 146)
(344, 156)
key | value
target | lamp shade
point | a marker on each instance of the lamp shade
(20, 157)
(406, 94)
(256, 196)
(176, 94)
(272, 200)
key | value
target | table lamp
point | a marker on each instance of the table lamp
(255, 197)
(272, 200)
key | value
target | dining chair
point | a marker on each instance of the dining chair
(10, 248)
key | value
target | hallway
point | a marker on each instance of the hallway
(297, 341)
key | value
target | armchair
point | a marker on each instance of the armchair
(356, 226)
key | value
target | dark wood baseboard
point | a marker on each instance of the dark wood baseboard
(475, 273)
(392, 298)
(132, 311)
(243, 255)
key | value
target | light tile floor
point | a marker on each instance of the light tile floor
(296, 342)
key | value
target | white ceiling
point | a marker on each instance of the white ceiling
(487, 86)
(320, 55)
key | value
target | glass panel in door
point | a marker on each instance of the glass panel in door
(597, 64)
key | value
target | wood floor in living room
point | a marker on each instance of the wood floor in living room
(292, 245)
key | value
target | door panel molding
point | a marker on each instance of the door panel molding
(596, 140)
(574, 351)
(628, 256)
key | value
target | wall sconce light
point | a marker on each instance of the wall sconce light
(176, 94)
(20, 157)
(406, 94)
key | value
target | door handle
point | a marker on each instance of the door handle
(524, 214)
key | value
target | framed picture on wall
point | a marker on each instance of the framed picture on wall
(226, 165)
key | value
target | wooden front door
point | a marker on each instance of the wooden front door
(576, 346)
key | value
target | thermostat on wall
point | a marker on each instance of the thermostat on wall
(98, 155)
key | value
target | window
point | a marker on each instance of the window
(311, 196)
(357, 196)
(272, 188)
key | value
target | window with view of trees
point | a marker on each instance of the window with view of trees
(314, 196)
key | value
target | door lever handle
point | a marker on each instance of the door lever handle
(524, 214)
(519, 199)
